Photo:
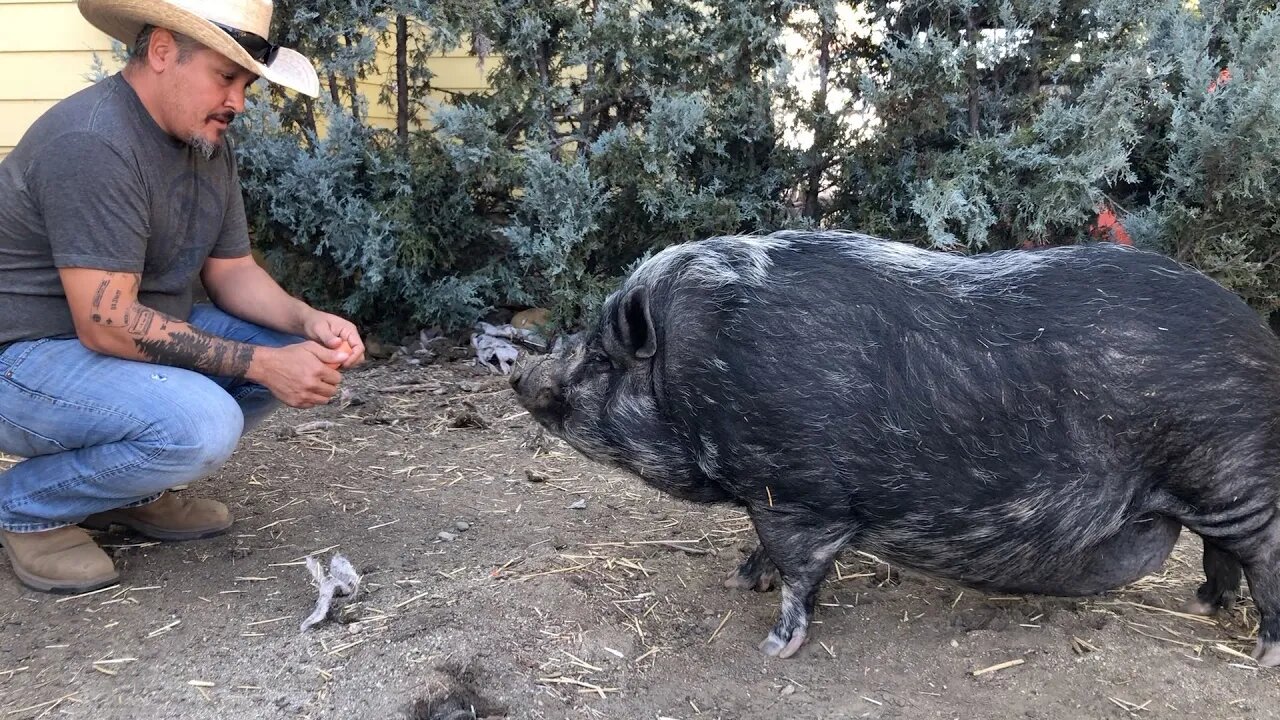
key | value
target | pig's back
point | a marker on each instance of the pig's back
(889, 380)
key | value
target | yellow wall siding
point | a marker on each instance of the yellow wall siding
(44, 75)
(53, 25)
(47, 49)
(456, 74)
(46, 52)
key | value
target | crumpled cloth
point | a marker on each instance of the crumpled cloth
(341, 580)
(495, 348)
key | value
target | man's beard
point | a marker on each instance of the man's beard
(209, 148)
(206, 147)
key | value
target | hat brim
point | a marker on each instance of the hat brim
(124, 19)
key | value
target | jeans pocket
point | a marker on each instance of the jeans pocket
(21, 442)
(18, 402)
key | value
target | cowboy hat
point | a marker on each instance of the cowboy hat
(236, 29)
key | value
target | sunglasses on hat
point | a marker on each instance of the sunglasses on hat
(258, 47)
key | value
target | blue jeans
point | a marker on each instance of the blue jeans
(101, 432)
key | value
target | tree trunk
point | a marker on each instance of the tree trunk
(822, 130)
(586, 121)
(972, 71)
(402, 79)
(544, 76)
(352, 88)
(309, 118)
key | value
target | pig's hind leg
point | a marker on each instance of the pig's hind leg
(1248, 531)
(1222, 574)
(803, 554)
(757, 573)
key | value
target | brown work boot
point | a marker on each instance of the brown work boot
(63, 560)
(171, 517)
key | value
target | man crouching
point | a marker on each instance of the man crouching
(114, 385)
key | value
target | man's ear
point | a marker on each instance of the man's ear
(635, 323)
(162, 49)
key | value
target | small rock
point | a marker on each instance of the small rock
(535, 476)
(447, 536)
(462, 526)
(955, 643)
(886, 573)
(788, 690)
(579, 505)
(466, 416)
(536, 439)
(355, 628)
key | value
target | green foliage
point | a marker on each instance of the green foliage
(350, 223)
(611, 130)
(1215, 178)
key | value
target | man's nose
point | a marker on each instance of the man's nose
(235, 100)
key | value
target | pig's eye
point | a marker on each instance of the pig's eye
(599, 357)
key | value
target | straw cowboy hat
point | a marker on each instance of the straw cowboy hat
(237, 29)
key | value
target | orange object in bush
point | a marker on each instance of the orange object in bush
(1109, 228)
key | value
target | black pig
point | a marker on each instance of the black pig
(1027, 421)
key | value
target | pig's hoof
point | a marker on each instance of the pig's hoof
(1267, 653)
(776, 646)
(744, 578)
(1196, 606)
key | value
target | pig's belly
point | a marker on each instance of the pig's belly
(1016, 563)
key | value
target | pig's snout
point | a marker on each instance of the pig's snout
(529, 371)
(536, 387)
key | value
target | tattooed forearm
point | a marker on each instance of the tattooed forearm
(133, 330)
(185, 346)
(139, 319)
(198, 350)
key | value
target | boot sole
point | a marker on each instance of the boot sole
(43, 584)
(153, 532)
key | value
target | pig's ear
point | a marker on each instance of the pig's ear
(635, 324)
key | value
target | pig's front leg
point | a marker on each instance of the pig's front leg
(803, 550)
(755, 573)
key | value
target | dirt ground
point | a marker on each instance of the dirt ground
(503, 576)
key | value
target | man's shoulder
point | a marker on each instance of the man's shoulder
(101, 110)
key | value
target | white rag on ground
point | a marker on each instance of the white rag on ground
(341, 580)
(495, 349)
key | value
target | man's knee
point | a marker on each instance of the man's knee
(199, 428)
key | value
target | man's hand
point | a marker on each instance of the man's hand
(331, 331)
(299, 375)
(241, 287)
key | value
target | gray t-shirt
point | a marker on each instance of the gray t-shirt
(96, 183)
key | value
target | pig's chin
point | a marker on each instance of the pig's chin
(552, 422)
(552, 413)
(578, 437)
